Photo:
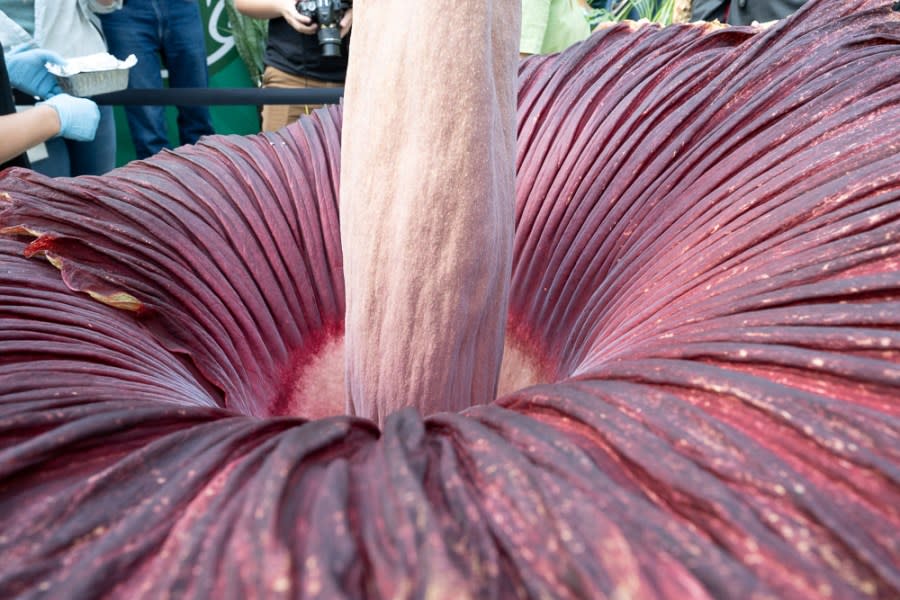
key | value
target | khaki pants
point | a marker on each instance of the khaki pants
(276, 116)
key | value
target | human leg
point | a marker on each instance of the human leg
(99, 155)
(276, 116)
(135, 30)
(57, 162)
(184, 53)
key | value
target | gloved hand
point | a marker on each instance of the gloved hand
(78, 117)
(28, 73)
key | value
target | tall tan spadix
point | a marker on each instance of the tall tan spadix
(427, 193)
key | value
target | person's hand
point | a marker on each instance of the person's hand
(28, 73)
(346, 22)
(301, 23)
(78, 117)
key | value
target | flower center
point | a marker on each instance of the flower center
(315, 386)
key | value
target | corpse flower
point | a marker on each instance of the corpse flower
(205, 392)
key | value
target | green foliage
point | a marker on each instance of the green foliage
(249, 39)
(657, 11)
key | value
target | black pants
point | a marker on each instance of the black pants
(743, 12)
(7, 107)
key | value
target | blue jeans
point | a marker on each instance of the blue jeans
(68, 158)
(161, 32)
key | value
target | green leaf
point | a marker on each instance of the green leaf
(662, 12)
(250, 40)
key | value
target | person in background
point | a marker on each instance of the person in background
(743, 12)
(161, 32)
(68, 28)
(294, 58)
(550, 26)
(61, 114)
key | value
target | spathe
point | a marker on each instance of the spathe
(705, 269)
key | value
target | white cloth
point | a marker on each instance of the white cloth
(68, 27)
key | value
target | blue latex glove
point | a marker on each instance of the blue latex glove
(28, 73)
(78, 117)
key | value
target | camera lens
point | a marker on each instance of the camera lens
(330, 41)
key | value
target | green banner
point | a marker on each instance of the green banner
(226, 70)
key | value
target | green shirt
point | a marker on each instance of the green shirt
(552, 25)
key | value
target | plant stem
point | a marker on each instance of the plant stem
(427, 195)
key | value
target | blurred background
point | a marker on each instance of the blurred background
(226, 69)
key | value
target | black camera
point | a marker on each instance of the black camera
(328, 14)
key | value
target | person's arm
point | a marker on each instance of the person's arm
(104, 6)
(21, 131)
(63, 115)
(535, 21)
(346, 22)
(274, 9)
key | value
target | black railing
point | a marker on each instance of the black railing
(220, 96)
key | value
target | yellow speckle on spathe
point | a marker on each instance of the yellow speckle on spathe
(779, 489)
(443, 588)
(120, 300)
(817, 362)
(799, 488)
(21, 230)
(281, 584)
